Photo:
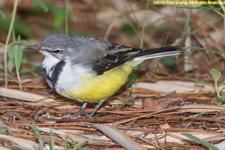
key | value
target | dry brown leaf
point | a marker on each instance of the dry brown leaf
(178, 86)
(3, 148)
(157, 104)
(220, 145)
(21, 95)
(176, 137)
(25, 144)
(119, 137)
(202, 108)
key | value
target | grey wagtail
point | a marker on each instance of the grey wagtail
(88, 69)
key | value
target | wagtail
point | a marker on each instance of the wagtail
(88, 69)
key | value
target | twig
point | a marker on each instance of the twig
(136, 20)
(171, 27)
(143, 28)
(223, 8)
(7, 40)
(67, 3)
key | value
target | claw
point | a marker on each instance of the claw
(81, 111)
(96, 108)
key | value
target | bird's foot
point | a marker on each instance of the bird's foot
(81, 112)
(78, 114)
(96, 108)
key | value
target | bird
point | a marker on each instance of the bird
(88, 69)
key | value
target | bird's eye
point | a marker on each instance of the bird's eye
(56, 51)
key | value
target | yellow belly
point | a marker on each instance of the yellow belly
(94, 88)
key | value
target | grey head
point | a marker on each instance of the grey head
(89, 51)
(74, 48)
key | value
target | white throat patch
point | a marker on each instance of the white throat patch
(49, 61)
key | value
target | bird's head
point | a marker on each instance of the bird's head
(56, 45)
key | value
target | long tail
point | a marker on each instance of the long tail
(158, 52)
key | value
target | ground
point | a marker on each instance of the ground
(171, 102)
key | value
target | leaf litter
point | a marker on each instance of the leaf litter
(152, 114)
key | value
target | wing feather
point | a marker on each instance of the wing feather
(115, 55)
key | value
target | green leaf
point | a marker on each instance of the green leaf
(18, 54)
(15, 113)
(19, 27)
(200, 81)
(2, 75)
(222, 83)
(196, 139)
(23, 71)
(222, 98)
(159, 28)
(36, 131)
(44, 140)
(74, 142)
(59, 16)
(11, 54)
(77, 146)
(131, 79)
(130, 30)
(52, 140)
(48, 115)
(41, 5)
(34, 10)
(4, 98)
(5, 129)
(221, 53)
(167, 62)
(66, 143)
(121, 99)
(215, 74)
(77, 32)
(1, 66)
(182, 7)
(11, 51)
(2, 14)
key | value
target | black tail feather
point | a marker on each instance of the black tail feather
(159, 50)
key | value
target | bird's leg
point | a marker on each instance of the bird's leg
(96, 108)
(80, 112)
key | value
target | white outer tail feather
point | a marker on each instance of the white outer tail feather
(163, 54)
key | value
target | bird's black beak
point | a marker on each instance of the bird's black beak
(36, 47)
(33, 47)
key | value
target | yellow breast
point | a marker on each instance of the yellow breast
(93, 88)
